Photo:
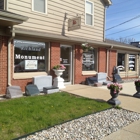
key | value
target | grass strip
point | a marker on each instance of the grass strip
(28, 114)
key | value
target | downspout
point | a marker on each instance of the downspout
(9, 56)
(49, 59)
(107, 61)
(6, 5)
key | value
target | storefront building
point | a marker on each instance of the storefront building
(27, 51)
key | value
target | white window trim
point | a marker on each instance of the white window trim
(89, 72)
(89, 13)
(46, 7)
(28, 75)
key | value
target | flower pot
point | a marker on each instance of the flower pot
(137, 94)
(58, 81)
(114, 100)
(114, 95)
(58, 73)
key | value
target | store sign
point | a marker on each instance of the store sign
(30, 64)
(74, 24)
(88, 59)
(31, 48)
(18, 56)
(65, 61)
(132, 62)
(29, 45)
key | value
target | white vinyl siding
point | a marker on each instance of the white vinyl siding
(54, 21)
(39, 6)
(89, 6)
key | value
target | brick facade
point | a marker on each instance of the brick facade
(54, 60)
(102, 58)
(3, 64)
(78, 65)
(54, 56)
(112, 61)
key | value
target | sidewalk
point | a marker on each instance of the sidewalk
(132, 131)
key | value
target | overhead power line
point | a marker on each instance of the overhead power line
(123, 30)
(131, 35)
(124, 11)
(123, 22)
(120, 2)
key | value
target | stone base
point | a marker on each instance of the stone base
(98, 84)
(50, 90)
(137, 95)
(58, 82)
(114, 101)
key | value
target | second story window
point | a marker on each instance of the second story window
(89, 6)
(40, 6)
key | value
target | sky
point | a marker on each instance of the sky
(119, 12)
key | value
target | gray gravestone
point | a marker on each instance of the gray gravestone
(14, 92)
(42, 81)
(101, 77)
(117, 78)
(50, 90)
(31, 90)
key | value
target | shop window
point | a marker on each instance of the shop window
(89, 13)
(89, 60)
(121, 61)
(132, 62)
(39, 6)
(29, 56)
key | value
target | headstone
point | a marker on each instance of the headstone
(107, 82)
(42, 81)
(31, 90)
(117, 78)
(91, 80)
(14, 92)
(50, 90)
(101, 77)
(98, 84)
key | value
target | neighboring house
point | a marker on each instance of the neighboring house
(35, 35)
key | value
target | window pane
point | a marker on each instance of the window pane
(89, 7)
(88, 19)
(121, 61)
(39, 5)
(88, 60)
(29, 56)
(132, 62)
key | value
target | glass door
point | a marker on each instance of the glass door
(66, 60)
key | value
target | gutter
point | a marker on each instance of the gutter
(9, 56)
(13, 15)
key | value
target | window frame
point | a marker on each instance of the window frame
(89, 13)
(94, 71)
(125, 61)
(46, 7)
(31, 71)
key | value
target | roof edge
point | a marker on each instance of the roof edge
(72, 39)
(7, 14)
(108, 2)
